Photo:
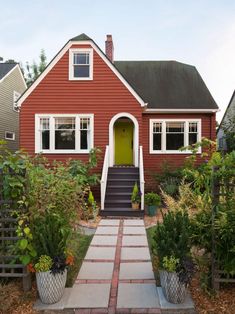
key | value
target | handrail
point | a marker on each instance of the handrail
(141, 173)
(103, 181)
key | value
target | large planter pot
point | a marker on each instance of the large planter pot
(51, 287)
(174, 291)
(135, 206)
(152, 210)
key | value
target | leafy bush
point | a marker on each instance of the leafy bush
(170, 263)
(152, 199)
(44, 263)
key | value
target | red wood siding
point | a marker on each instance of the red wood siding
(153, 162)
(104, 96)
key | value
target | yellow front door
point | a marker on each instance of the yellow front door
(123, 143)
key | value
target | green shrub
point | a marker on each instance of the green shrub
(170, 263)
(152, 199)
(44, 264)
(172, 236)
(135, 196)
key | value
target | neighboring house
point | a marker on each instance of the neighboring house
(138, 112)
(12, 85)
(230, 111)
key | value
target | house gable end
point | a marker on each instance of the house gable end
(83, 43)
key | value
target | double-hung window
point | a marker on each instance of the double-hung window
(64, 133)
(81, 64)
(169, 135)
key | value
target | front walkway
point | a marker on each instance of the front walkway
(116, 275)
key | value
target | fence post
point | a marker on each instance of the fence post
(215, 201)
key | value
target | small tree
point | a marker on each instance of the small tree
(34, 69)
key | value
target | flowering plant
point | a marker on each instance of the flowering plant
(56, 264)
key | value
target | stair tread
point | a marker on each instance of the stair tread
(118, 193)
(117, 201)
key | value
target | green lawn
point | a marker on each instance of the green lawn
(80, 246)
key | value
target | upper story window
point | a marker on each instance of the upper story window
(16, 96)
(168, 136)
(81, 64)
(64, 133)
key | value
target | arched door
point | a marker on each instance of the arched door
(123, 139)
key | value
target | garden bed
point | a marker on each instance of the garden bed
(205, 303)
(22, 302)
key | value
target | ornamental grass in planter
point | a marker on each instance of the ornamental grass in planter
(171, 245)
(135, 197)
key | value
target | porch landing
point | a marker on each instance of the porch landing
(116, 275)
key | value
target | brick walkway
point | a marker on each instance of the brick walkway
(116, 275)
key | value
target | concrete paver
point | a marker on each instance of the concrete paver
(133, 222)
(89, 296)
(136, 271)
(135, 254)
(131, 295)
(103, 240)
(134, 240)
(98, 253)
(134, 230)
(109, 222)
(96, 270)
(107, 230)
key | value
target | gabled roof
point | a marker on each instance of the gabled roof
(5, 68)
(81, 37)
(167, 84)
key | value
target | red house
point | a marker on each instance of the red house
(138, 112)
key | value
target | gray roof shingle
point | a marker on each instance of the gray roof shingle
(5, 68)
(167, 84)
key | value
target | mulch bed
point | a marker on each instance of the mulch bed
(221, 303)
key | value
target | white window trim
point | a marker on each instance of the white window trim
(186, 133)
(52, 149)
(78, 50)
(16, 96)
(10, 139)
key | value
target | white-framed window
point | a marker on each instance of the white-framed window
(81, 64)
(167, 136)
(64, 133)
(16, 96)
(10, 136)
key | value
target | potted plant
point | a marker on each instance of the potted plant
(152, 200)
(171, 246)
(45, 249)
(135, 197)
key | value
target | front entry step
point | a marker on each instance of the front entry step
(120, 183)
(121, 212)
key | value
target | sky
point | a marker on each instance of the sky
(201, 33)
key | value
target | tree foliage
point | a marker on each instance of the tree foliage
(35, 69)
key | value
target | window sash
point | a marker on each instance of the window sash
(69, 124)
(170, 127)
(81, 64)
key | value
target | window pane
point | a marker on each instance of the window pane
(192, 138)
(65, 139)
(65, 123)
(81, 71)
(84, 124)
(44, 124)
(157, 127)
(157, 141)
(81, 58)
(46, 139)
(84, 139)
(192, 126)
(174, 141)
(175, 127)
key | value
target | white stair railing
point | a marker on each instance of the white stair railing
(141, 173)
(103, 181)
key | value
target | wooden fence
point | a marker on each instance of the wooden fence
(221, 188)
(10, 267)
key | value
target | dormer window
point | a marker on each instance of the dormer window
(81, 64)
